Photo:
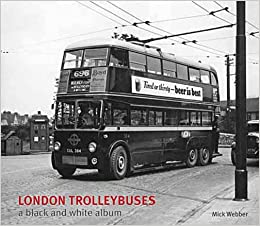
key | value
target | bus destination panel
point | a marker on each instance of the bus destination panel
(84, 80)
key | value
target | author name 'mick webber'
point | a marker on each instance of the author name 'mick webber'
(229, 214)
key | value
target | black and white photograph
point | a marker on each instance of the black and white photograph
(130, 112)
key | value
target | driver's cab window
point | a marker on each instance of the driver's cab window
(88, 115)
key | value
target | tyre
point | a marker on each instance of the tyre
(53, 161)
(233, 157)
(118, 163)
(192, 157)
(204, 156)
(66, 172)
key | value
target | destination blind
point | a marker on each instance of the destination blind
(83, 81)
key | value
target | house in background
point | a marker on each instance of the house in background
(252, 108)
(14, 119)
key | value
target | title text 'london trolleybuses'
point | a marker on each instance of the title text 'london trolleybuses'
(122, 108)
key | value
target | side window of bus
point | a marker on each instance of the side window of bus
(195, 118)
(120, 117)
(182, 71)
(169, 68)
(72, 59)
(213, 79)
(204, 75)
(138, 117)
(154, 65)
(171, 117)
(206, 118)
(194, 75)
(118, 58)
(184, 118)
(137, 61)
(155, 118)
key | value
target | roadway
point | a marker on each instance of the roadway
(179, 192)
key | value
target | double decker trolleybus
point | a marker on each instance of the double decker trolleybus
(123, 107)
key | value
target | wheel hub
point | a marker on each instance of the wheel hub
(192, 155)
(121, 162)
(204, 153)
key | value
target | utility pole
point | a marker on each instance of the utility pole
(228, 63)
(241, 139)
(228, 90)
(228, 82)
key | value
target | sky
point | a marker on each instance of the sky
(34, 35)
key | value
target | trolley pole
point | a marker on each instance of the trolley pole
(241, 139)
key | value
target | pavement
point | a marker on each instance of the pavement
(223, 210)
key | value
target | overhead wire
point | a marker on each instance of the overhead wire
(130, 24)
(123, 10)
(179, 18)
(210, 13)
(166, 31)
(59, 39)
(98, 12)
(226, 9)
(109, 11)
(235, 15)
(213, 39)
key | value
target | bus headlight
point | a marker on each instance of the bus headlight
(92, 147)
(57, 146)
(185, 134)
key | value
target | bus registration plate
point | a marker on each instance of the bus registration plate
(74, 160)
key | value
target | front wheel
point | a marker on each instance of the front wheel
(118, 163)
(204, 156)
(233, 157)
(192, 157)
(66, 172)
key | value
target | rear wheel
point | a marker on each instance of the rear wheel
(118, 163)
(204, 156)
(233, 157)
(192, 157)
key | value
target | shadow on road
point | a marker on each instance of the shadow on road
(90, 176)
(95, 176)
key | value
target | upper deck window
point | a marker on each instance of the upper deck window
(213, 79)
(194, 74)
(182, 71)
(73, 59)
(137, 61)
(154, 65)
(118, 58)
(204, 75)
(95, 57)
(169, 68)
